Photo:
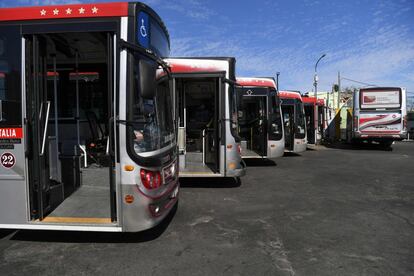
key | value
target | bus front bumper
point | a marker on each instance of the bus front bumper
(238, 172)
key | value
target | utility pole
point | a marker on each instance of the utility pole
(339, 88)
(277, 81)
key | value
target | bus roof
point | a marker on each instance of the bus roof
(257, 82)
(313, 100)
(198, 65)
(64, 11)
(290, 95)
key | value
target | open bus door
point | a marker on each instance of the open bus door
(211, 134)
(199, 123)
(288, 112)
(259, 134)
(252, 104)
(38, 135)
(68, 165)
(310, 122)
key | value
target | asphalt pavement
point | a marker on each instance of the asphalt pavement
(329, 211)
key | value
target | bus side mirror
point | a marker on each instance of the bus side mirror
(147, 82)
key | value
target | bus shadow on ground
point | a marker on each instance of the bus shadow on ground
(291, 154)
(95, 237)
(259, 162)
(6, 232)
(358, 146)
(210, 182)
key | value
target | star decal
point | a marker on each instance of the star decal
(81, 10)
(68, 11)
(94, 10)
(55, 12)
(43, 12)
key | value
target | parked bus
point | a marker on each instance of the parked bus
(87, 134)
(260, 118)
(208, 142)
(380, 115)
(315, 119)
(293, 121)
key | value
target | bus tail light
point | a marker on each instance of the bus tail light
(239, 149)
(355, 123)
(150, 179)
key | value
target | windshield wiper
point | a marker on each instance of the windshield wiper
(147, 53)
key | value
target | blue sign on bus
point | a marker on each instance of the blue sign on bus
(143, 30)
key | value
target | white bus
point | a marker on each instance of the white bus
(87, 134)
(293, 121)
(208, 143)
(260, 118)
(380, 115)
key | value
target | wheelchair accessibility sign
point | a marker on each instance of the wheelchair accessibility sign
(143, 29)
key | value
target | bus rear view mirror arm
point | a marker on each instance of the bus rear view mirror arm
(147, 53)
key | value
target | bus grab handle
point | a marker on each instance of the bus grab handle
(45, 131)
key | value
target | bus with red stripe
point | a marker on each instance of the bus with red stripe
(208, 142)
(294, 122)
(87, 129)
(315, 119)
(379, 115)
(259, 118)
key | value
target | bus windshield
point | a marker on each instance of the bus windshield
(153, 124)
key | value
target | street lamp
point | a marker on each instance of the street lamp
(315, 114)
(316, 75)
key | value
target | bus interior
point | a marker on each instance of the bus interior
(198, 125)
(69, 83)
(288, 114)
(310, 123)
(252, 125)
(314, 134)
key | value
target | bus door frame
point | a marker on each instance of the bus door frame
(37, 111)
(112, 28)
(219, 113)
(292, 125)
(263, 103)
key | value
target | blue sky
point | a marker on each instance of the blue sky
(366, 40)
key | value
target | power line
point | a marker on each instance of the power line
(360, 82)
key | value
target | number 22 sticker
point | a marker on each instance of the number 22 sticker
(7, 160)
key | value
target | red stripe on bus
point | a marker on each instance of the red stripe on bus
(377, 117)
(184, 68)
(257, 82)
(290, 95)
(64, 11)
